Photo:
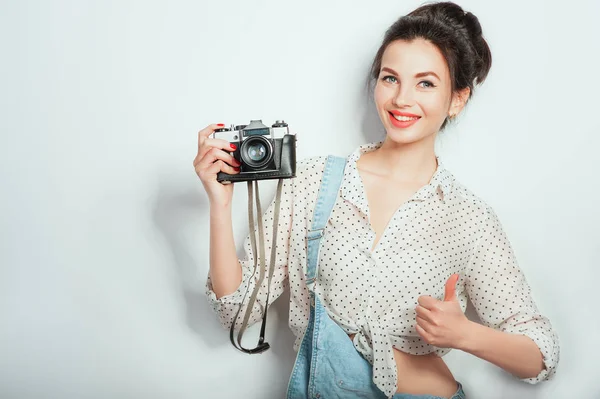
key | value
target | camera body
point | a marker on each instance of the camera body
(264, 152)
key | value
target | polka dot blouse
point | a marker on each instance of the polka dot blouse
(441, 230)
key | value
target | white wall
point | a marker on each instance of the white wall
(104, 224)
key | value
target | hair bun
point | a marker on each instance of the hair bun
(472, 24)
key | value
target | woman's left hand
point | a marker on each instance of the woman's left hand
(442, 323)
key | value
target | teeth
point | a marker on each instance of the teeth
(405, 118)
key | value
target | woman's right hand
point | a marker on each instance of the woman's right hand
(214, 157)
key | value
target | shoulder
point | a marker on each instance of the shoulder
(309, 172)
(467, 199)
(311, 166)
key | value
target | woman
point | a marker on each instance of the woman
(404, 244)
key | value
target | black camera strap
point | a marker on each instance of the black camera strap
(259, 261)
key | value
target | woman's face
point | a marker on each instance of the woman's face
(414, 79)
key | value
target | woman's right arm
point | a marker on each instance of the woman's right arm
(230, 278)
(213, 157)
(225, 270)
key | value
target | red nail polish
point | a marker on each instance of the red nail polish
(220, 124)
(237, 169)
(233, 146)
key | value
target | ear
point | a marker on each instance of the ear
(459, 99)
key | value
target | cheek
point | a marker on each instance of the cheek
(379, 94)
(434, 106)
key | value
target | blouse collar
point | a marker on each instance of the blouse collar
(352, 188)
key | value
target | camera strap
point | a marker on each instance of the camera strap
(259, 261)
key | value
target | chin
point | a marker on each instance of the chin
(404, 136)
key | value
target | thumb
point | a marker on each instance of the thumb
(450, 294)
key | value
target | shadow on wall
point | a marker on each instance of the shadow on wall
(174, 211)
(372, 129)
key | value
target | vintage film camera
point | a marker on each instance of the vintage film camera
(264, 152)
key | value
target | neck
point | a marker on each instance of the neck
(405, 162)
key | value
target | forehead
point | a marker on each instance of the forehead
(415, 56)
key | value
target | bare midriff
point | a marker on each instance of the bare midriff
(423, 375)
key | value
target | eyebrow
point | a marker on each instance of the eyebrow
(419, 75)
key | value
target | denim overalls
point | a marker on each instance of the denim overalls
(327, 365)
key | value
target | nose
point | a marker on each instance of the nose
(404, 97)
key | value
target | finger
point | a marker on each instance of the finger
(208, 130)
(424, 334)
(215, 154)
(427, 302)
(220, 143)
(210, 173)
(221, 166)
(425, 325)
(450, 290)
(209, 144)
(425, 313)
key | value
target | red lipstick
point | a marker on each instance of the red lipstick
(403, 124)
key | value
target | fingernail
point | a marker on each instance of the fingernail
(233, 146)
(236, 168)
(220, 124)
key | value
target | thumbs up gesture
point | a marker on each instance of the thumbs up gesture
(442, 323)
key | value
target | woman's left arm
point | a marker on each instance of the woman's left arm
(518, 354)
(514, 335)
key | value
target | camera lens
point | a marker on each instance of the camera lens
(256, 151)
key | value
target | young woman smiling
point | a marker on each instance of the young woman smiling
(379, 274)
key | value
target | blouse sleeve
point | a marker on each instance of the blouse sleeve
(227, 306)
(502, 297)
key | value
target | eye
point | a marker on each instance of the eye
(429, 83)
(388, 76)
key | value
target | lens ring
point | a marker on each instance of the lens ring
(256, 151)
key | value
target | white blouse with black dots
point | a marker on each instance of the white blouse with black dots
(441, 230)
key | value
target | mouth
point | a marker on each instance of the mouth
(402, 121)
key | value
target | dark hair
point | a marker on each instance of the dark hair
(455, 33)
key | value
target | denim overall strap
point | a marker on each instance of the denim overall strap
(330, 184)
